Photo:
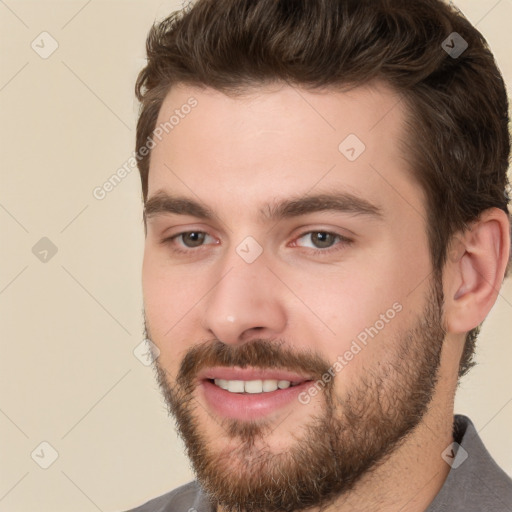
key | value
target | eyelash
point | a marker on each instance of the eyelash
(342, 240)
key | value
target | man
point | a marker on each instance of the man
(326, 228)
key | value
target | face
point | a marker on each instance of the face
(288, 287)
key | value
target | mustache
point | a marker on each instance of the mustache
(258, 353)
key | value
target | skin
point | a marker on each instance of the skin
(234, 155)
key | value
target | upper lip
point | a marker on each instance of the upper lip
(237, 373)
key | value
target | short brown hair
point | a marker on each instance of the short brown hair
(458, 140)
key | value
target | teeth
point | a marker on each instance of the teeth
(236, 386)
(269, 385)
(222, 383)
(252, 386)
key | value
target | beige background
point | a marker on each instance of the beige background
(68, 374)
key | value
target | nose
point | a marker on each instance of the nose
(245, 303)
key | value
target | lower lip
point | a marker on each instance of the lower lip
(249, 406)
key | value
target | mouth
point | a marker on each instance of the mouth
(250, 394)
(253, 386)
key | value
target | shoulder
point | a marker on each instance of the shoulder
(475, 481)
(189, 497)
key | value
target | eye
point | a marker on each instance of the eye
(319, 241)
(323, 241)
(192, 238)
(188, 239)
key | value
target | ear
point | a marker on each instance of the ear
(475, 270)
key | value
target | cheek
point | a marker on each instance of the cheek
(168, 290)
(359, 309)
(373, 332)
(155, 298)
(349, 300)
(169, 298)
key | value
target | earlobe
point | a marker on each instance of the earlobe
(476, 270)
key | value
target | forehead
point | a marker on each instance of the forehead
(281, 140)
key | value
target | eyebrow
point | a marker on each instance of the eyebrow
(164, 203)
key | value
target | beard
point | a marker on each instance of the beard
(333, 449)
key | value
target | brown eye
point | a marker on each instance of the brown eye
(322, 239)
(322, 242)
(192, 238)
(319, 239)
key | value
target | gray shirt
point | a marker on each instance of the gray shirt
(475, 483)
